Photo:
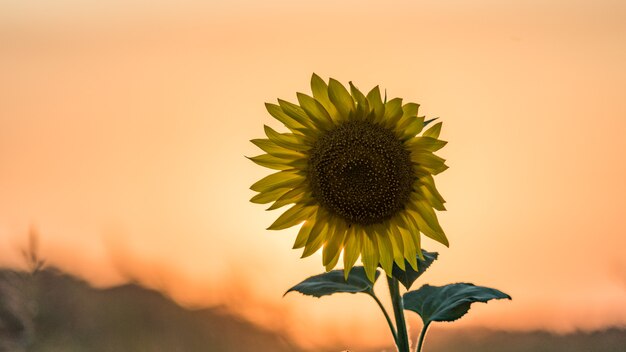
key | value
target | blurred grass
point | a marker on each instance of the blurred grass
(48, 311)
(446, 339)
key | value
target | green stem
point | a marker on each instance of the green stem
(391, 327)
(398, 312)
(420, 341)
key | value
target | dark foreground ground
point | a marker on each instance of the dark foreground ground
(611, 340)
(51, 311)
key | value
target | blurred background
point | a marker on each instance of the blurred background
(123, 131)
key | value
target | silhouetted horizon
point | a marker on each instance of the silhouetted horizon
(51, 310)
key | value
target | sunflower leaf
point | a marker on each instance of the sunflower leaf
(334, 282)
(407, 277)
(449, 302)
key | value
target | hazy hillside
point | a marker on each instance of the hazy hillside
(52, 311)
(445, 338)
(65, 314)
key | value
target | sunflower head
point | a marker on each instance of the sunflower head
(357, 174)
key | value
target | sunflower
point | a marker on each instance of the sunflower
(358, 176)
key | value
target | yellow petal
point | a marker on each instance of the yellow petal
(276, 163)
(341, 99)
(376, 103)
(287, 140)
(320, 93)
(393, 113)
(429, 182)
(424, 221)
(315, 111)
(334, 244)
(287, 120)
(369, 256)
(426, 143)
(351, 251)
(331, 245)
(427, 186)
(362, 106)
(433, 131)
(413, 231)
(429, 161)
(293, 216)
(415, 126)
(318, 234)
(303, 234)
(397, 245)
(428, 214)
(296, 112)
(385, 249)
(431, 198)
(269, 196)
(409, 113)
(331, 265)
(417, 239)
(409, 247)
(271, 148)
(282, 179)
(293, 196)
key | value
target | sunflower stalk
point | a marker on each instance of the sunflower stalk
(420, 341)
(402, 340)
(391, 327)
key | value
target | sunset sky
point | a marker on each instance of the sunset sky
(124, 126)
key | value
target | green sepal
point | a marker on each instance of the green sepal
(433, 131)
(407, 277)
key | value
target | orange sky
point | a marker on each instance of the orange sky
(123, 129)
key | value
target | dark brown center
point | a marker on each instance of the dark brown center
(361, 172)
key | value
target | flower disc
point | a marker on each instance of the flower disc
(361, 172)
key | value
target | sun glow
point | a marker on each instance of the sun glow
(123, 135)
